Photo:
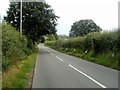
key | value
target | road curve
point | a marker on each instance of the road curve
(57, 70)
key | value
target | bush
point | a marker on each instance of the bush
(51, 37)
(99, 42)
(42, 39)
(102, 48)
(14, 46)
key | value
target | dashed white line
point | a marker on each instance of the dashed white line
(59, 58)
(88, 76)
(48, 51)
(51, 53)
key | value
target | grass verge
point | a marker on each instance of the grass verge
(105, 59)
(17, 76)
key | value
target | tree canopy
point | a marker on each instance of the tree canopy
(83, 27)
(37, 19)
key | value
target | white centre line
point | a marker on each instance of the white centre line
(88, 76)
(52, 54)
(59, 58)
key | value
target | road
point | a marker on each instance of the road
(57, 70)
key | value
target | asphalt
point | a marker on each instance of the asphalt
(57, 70)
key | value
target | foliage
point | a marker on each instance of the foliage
(42, 39)
(96, 41)
(51, 37)
(101, 48)
(14, 46)
(83, 27)
(105, 58)
(37, 19)
(17, 77)
(62, 36)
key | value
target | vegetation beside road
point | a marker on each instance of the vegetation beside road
(14, 47)
(17, 76)
(38, 19)
(39, 24)
(18, 58)
(19, 51)
(97, 47)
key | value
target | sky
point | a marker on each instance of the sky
(103, 12)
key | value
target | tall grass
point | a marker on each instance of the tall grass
(17, 77)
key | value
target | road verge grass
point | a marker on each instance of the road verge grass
(105, 59)
(17, 76)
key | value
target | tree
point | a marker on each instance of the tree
(51, 37)
(37, 19)
(83, 27)
(62, 36)
(42, 39)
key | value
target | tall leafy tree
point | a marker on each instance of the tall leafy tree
(37, 19)
(83, 27)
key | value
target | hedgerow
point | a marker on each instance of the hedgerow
(99, 42)
(14, 46)
(102, 48)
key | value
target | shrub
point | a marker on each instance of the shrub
(42, 39)
(14, 46)
(102, 48)
(96, 41)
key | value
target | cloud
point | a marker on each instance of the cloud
(103, 12)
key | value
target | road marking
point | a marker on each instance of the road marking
(51, 53)
(59, 58)
(88, 76)
(48, 51)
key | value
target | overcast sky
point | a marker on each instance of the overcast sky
(103, 12)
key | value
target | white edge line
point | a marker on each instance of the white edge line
(88, 76)
(59, 58)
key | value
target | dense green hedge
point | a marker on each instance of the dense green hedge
(101, 48)
(14, 46)
(99, 42)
